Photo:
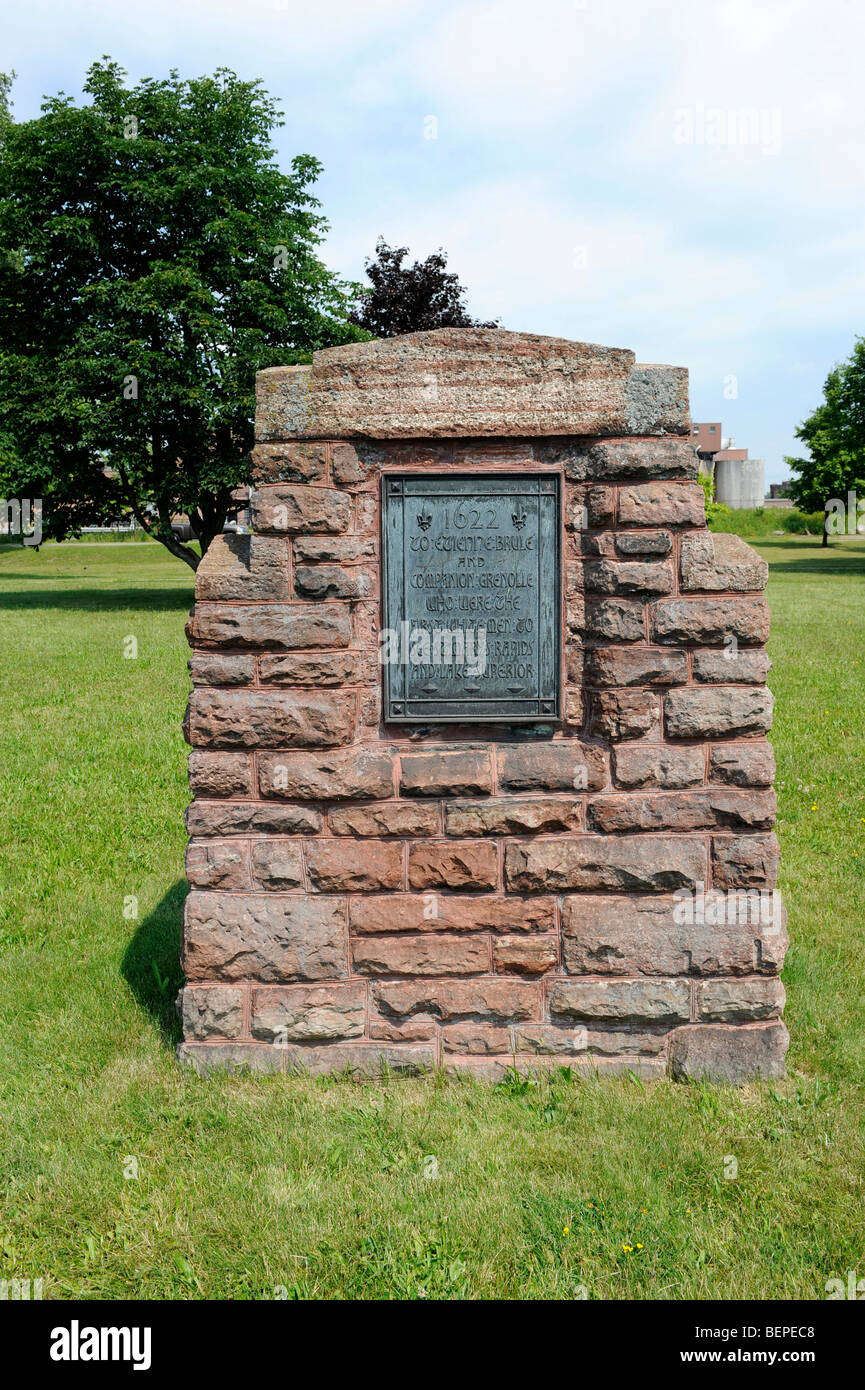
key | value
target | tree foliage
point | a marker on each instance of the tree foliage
(153, 257)
(835, 436)
(411, 298)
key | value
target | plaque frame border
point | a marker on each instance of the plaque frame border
(396, 487)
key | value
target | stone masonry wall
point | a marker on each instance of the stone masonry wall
(598, 893)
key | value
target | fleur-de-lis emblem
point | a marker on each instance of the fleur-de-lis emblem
(424, 519)
(520, 517)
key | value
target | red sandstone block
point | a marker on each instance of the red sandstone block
(309, 1013)
(616, 620)
(593, 545)
(310, 668)
(333, 581)
(393, 818)
(232, 1058)
(220, 774)
(575, 664)
(270, 625)
(365, 630)
(622, 1001)
(727, 1053)
(217, 864)
(719, 711)
(402, 1030)
(282, 508)
(381, 390)
(657, 765)
(338, 865)
(617, 666)
(277, 864)
(263, 936)
(740, 1001)
(524, 955)
(512, 816)
(643, 543)
(268, 719)
(366, 514)
(289, 463)
(637, 935)
(743, 764)
(347, 467)
(745, 861)
(747, 664)
(212, 1011)
(492, 998)
(450, 912)
(501, 1068)
(362, 1057)
(642, 458)
(476, 1039)
(575, 618)
(251, 818)
(715, 562)
(558, 1039)
(707, 809)
(253, 569)
(421, 954)
(590, 506)
(364, 773)
(704, 621)
(342, 550)
(565, 766)
(627, 577)
(661, 504)
(575, 709)
(621, 714)
(640, 863)
(472, 865)
(218, 668)
(458, 772)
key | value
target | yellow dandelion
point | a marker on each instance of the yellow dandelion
(628, 1249)
(639, 1246)
(566, 1231)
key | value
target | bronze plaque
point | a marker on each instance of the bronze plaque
(472, 597)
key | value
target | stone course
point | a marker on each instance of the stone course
(599, 892)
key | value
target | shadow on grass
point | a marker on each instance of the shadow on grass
(151, 963)
(101, 600)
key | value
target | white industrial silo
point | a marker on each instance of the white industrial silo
(740, 482)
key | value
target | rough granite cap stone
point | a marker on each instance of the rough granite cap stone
(455, 382)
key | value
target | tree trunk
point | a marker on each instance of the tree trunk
(177, 547)
(825, 540)
(208, 520)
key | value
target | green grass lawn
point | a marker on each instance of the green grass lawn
(326, 1188)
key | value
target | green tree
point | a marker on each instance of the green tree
(6, 80)
(153, 257)
(835, 436)
(410, 298)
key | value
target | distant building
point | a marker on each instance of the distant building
(707, 437)
(739, 480)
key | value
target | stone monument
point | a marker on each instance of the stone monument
(478, 728)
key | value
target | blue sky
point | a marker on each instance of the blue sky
(683, 179)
